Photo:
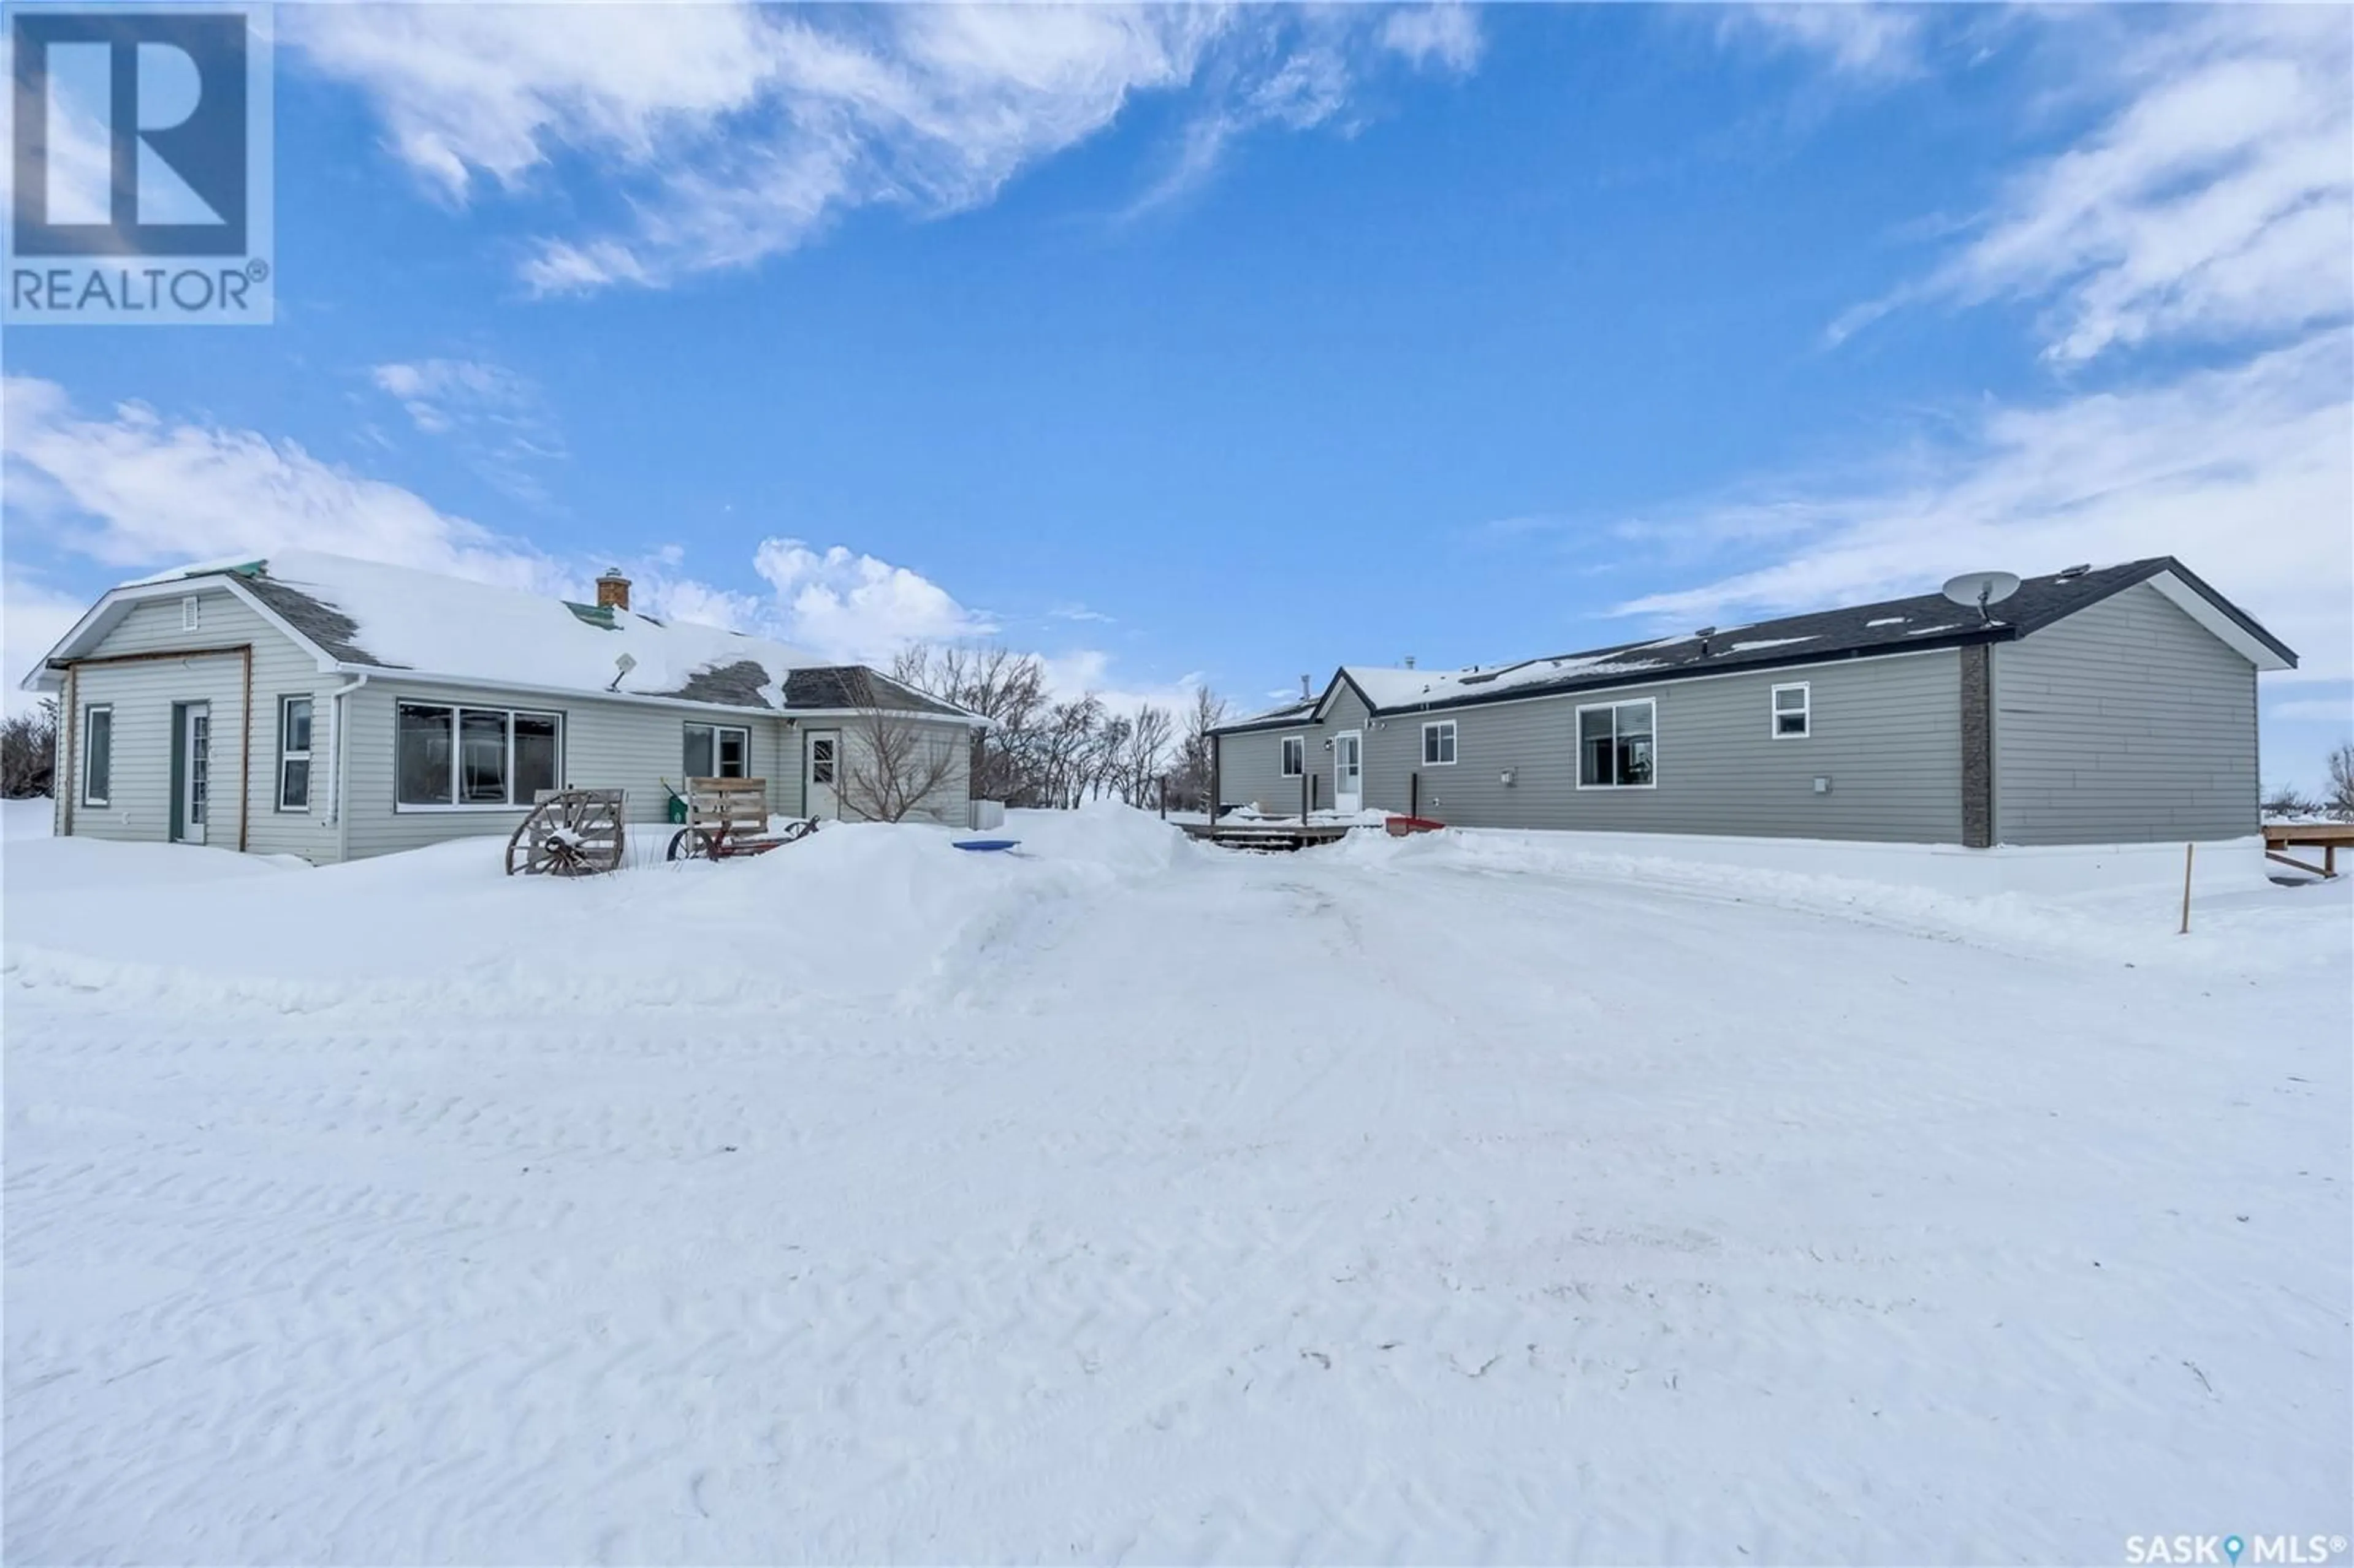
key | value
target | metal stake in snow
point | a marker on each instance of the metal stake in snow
(2187, 851)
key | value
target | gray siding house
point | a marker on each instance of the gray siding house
(2096, 706)
(313, 705)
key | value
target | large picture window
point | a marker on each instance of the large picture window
(1615, 743)
(718, 751)
(1294, 756)
(295, 754)
(457, 756)
(97, 755)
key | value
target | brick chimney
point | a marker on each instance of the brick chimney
(612, 589)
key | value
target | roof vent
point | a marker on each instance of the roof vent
(2078, 570)
(1705, 633)
(612, 589)
(1409, 661)
(1303, 688)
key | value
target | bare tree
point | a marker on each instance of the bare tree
(28, 752)
(893, 765)
(2340, 800)
(1189, 784)
(2288, 800)
(1008, 689)
(1040, 752)
(1144, 753)
(1065, 760)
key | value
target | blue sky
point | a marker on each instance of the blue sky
(1227, 345)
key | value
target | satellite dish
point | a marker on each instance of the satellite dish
(624, 664)
(1981, 590)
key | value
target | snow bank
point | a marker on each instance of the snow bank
(2103, 902)
(1469, 1198)
(895, 914)
(28, 818)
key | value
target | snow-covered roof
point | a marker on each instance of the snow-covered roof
(1890, 625)
(1301, 710)
(366, 616)
(1386, 688)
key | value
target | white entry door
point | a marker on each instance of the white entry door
(1348, 771)
(195, 771)
(822, 773)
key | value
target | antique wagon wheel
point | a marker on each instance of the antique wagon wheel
(570, 833)
(571, 846)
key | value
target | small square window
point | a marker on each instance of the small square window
(717, 751)
(1439, 744)
(1793, 712)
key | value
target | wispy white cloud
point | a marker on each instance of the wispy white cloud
(33, 618)
(736, 132)
(2205, 210)
(1872, 43)
(842, 602)
(1444, 36)
(1086, 672)
(2200, 467)
(498, 418)
(2320, 710)
(130, 488)
(2212, 203)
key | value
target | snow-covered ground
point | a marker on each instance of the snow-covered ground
(1474, 1196)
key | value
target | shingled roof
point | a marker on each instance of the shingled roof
(364, 616)
(1888, 626)
(856, 686)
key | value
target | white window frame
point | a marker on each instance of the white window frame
(1805, 710)
(1292, 755)
(192, 612)
(287, 754)
(1446, 726)
(456, 755)
(88, 721)
(716, 731)
(1577, 738)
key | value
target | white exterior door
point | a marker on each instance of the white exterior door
(195, 771)
(822, 773)
(1349, 771)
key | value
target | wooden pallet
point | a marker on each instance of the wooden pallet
(730, 816)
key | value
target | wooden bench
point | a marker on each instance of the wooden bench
(2323, 836)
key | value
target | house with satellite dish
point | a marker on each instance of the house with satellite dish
(2095, 705)
(309, 705)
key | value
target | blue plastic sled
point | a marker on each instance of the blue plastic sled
(986, 844)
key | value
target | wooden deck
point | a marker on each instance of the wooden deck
(2323, 836)
(1270, 832)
